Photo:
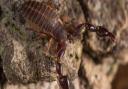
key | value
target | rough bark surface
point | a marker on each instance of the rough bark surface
(90, 64)
(23, 57)
(106, 56)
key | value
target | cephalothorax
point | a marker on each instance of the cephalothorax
(43, 19)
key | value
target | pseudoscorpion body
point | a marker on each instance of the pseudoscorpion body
(44, 19)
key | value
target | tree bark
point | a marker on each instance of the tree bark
(90, 62)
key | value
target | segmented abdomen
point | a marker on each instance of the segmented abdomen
(44, 18)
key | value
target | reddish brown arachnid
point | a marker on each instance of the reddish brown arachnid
(45, 20)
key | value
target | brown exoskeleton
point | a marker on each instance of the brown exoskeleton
(44, 19)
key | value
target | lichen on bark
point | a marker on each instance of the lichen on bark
(24, 60)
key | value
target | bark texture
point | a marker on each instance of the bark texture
(90, 64)
(23, 57)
